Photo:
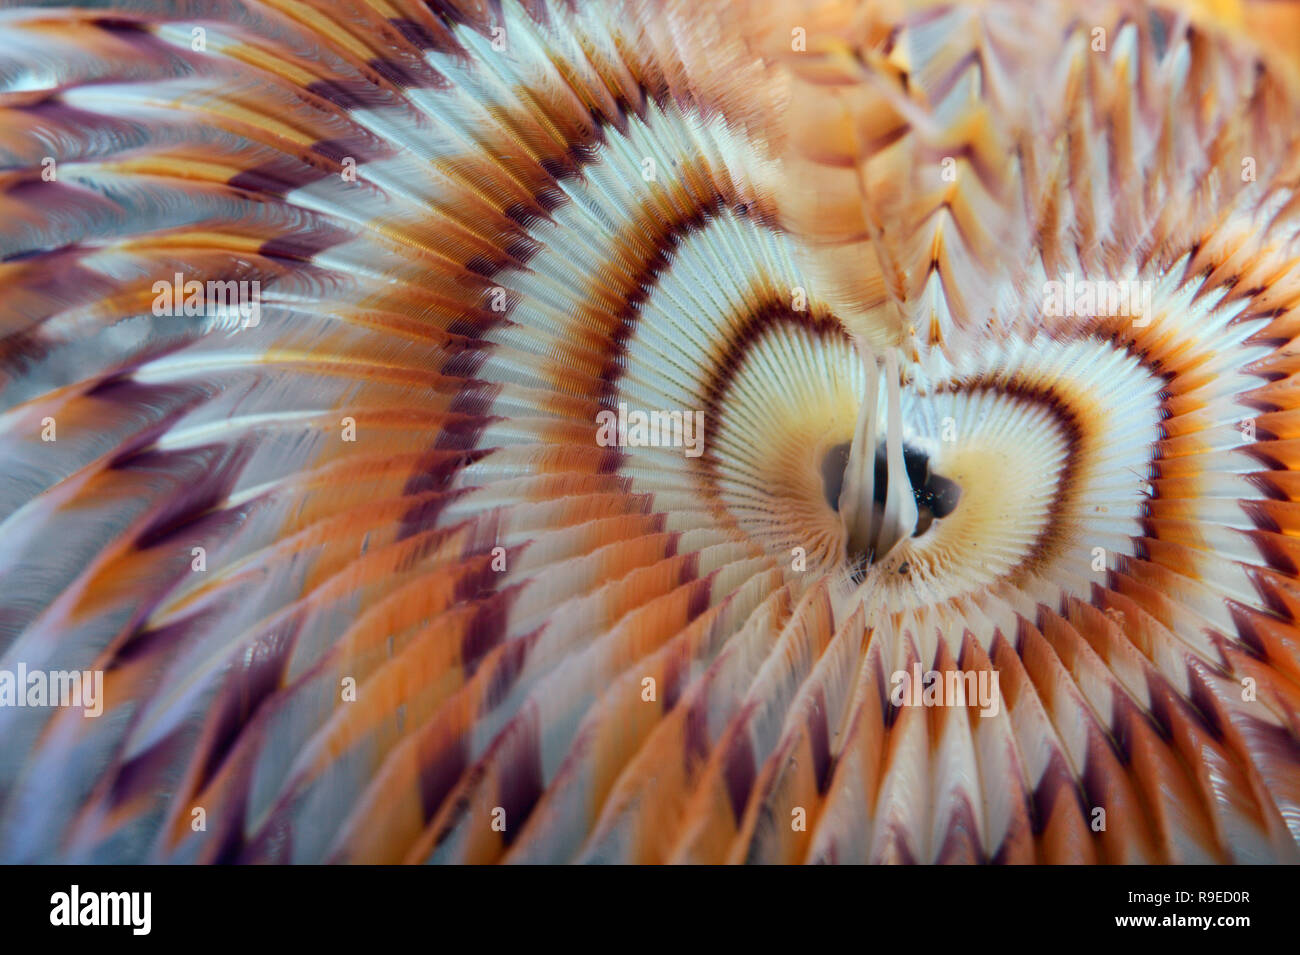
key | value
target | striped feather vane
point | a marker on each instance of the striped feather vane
(976, 321)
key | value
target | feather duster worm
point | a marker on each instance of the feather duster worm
(541, 431)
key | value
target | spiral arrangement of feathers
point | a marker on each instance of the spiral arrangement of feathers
(970, 328)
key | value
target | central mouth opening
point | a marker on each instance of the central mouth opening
(935, 496)
(883, 490)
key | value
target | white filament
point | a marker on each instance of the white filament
(871, 530)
